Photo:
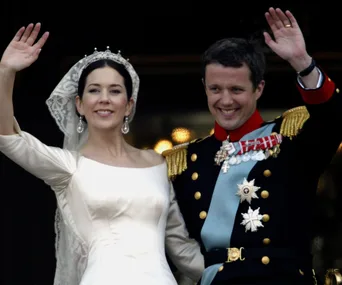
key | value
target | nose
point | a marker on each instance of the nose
(104, 97)
(227, 98)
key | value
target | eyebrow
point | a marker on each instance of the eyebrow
(98, 85)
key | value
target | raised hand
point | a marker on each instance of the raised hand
(288, 40)
(22, 51)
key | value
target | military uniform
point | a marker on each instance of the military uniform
(251, 209)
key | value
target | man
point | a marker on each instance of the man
(247, 192)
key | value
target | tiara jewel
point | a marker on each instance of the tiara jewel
(107, 54)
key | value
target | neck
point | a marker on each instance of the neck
(108, 143)
(254, 122)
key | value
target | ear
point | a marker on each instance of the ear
(129, 107)
(203, 82)
(79, 105)
(260, 88)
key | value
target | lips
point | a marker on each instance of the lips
(228, 113)
(104, 113)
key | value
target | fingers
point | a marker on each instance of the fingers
(41, 41)
(277, 19)
(284, 19)
(19, 34)
(292, 19)
(33, 35)
(27, 33)
(271, 22)
(268, 40)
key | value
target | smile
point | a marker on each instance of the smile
(104, 113)
(228, 113)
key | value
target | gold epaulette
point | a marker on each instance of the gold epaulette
(333, 276)
(293, 121)
(176, 159)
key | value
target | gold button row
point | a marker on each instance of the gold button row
(194, 157)
(194, 176)
(265, 260)
(203, 215)
(198, 195)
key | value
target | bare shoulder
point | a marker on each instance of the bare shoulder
(152, 157)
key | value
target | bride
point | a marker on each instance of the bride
(117, 213)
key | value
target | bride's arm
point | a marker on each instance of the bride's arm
(183, 251)
(53, 165)
(50, 164)
(21, 52)
(7, 77)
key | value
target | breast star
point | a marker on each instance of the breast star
(247, 191)
(252, 220)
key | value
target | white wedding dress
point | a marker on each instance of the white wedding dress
(118, 220)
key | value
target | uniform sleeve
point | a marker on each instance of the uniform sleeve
(322, 132)
(184, 252)
(53, 165)
(321, 94)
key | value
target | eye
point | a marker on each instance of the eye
(237, 90)
(214, 89)
(115, 91)
(94, 90)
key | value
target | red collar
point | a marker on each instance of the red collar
(254, 122)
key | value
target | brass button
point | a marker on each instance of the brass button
(301, 272)
(266, 241)
(194, 157)
(198, 195)
(265, 218)
(337, 90)
(220, 268)
(203, 215)
(265, 194)
(194, 176)
(267, 173)
(265, 260)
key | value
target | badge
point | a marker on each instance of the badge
(252, 220)
(247, 191)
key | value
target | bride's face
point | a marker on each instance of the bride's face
(104, 103)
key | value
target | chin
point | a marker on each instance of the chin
(229, 126)
(104, 127)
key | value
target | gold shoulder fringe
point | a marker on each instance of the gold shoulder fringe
(176, 159)
(293, 121)
(333, 276)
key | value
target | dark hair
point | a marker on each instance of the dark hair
(103, 63)
(234, 52)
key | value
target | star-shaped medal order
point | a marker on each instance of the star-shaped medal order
(252, 220)
(247, 191)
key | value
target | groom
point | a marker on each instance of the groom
(247, 191)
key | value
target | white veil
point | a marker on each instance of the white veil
(71, 252)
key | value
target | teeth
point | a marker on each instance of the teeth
(104, 112)
(227, 111)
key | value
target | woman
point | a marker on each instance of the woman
(116, 206)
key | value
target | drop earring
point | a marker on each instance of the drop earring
(80, 125)
(125, 126)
